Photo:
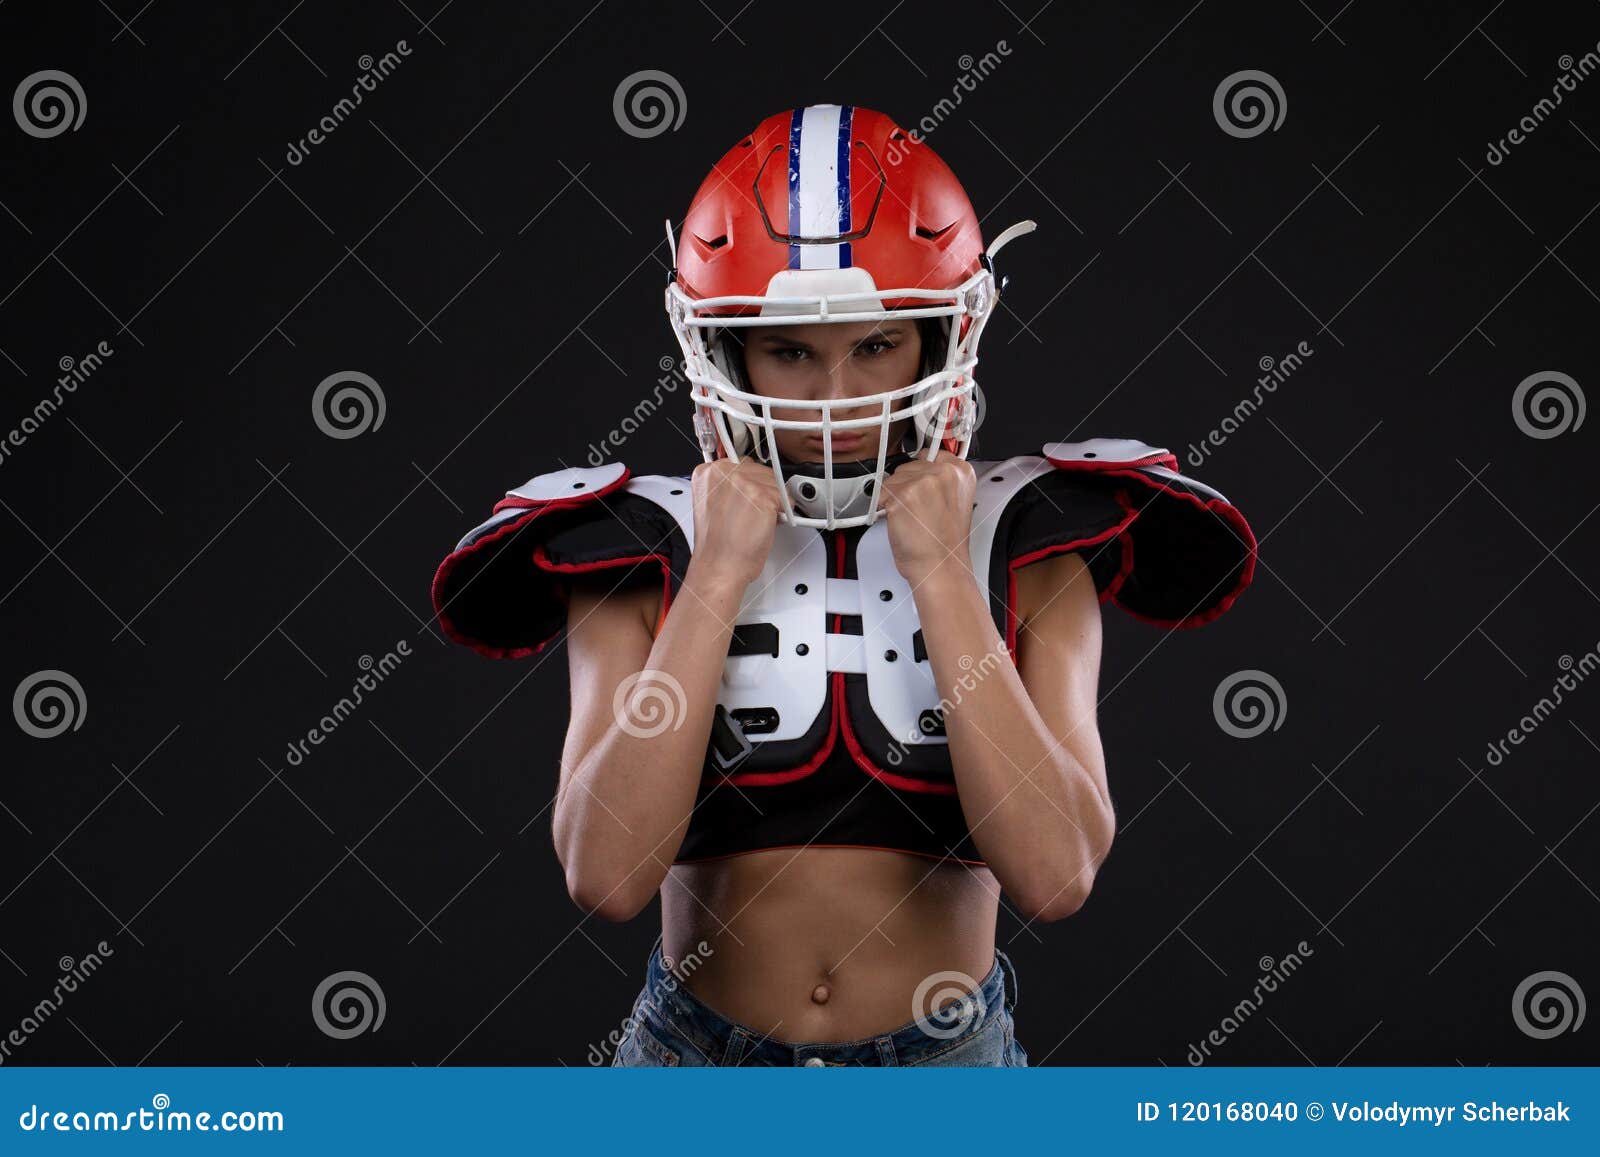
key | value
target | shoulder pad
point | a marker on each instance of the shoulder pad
(573, 483)
(1164, 547)
(1107, 454)
(503, 590)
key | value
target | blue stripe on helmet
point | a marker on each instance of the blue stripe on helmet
(795, 120)
(846, 115)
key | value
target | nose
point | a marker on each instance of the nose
(842, 386)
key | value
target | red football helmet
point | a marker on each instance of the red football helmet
(824, 214)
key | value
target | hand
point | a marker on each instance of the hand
(929, 508)
(736, 512)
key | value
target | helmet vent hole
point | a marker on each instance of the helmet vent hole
(807, 491)
(933, 234)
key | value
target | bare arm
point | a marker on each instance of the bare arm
(633, 754)
(642, 707)
(1023, 739)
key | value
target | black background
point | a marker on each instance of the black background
(184, 541)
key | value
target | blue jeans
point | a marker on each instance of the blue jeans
(670, 1027)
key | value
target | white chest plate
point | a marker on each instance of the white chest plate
(796, 595)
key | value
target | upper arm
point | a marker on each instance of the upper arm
(1058, 652)
(609, 636)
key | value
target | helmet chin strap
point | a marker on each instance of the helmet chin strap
(852, 486)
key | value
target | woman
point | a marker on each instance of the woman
(834, 696)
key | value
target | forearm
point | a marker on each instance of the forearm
(1034, 804)
(625, 808)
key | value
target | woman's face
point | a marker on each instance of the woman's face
(836, 360)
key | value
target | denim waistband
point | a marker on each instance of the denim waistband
(668, 1005)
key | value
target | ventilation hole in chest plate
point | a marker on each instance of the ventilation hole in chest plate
(754, 639)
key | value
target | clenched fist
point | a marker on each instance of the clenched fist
(736, 512)
(928, 505)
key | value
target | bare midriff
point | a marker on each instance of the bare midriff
(826, 944)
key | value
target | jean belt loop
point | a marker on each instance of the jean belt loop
(1009, 972)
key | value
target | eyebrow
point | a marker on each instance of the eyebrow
(889, 330)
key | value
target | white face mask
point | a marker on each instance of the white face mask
(942, 405)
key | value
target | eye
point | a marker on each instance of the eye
(790, 354)
(875, 347)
